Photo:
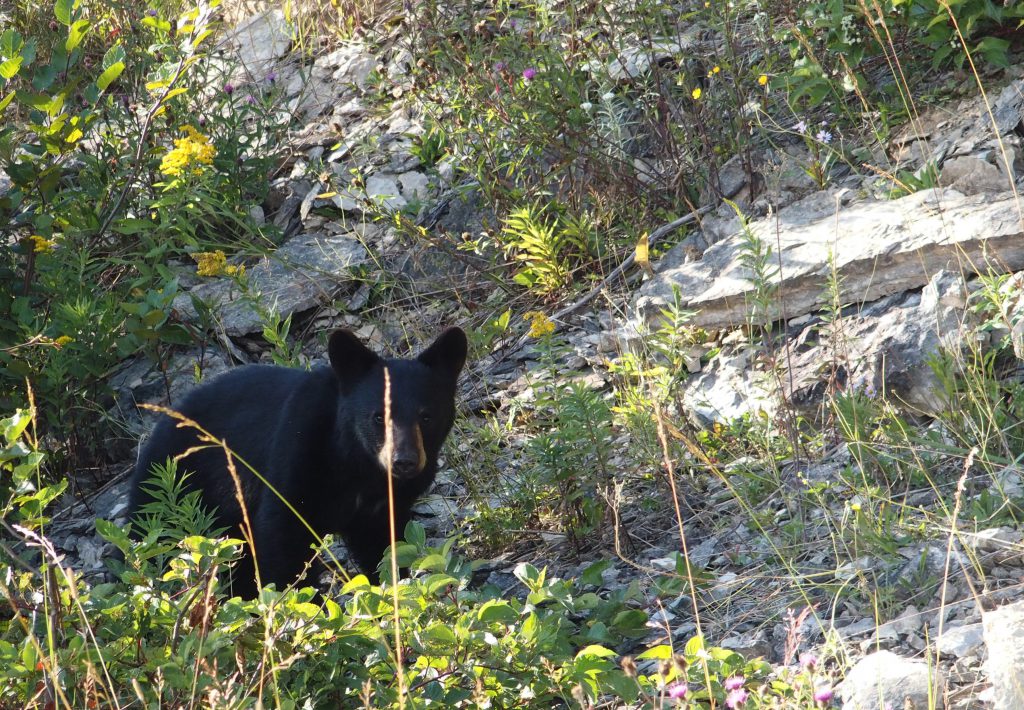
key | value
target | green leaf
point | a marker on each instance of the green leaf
(657, 653)
(76, 34)
(114, 55)
(432, 561)
(497, 611)
(592, 574)
(415, 533)
(438, 633)
(694, 646)
(596, 651)
(10, 68)
(6, 100)
(14, 426)
(108, 75)
(62, 11)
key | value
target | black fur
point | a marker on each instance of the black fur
(316, 437)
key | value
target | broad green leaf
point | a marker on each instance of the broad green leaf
(6, 100)
(62, 11)
(592, 574)
(14, 426)
(10, 43)
(109, 74)
(597, 651)
(114, 55)
(41, 102)
(497, 610)
(76, 33)
(10, 68)
(657, 653)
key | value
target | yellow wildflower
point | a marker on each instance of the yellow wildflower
(696, 93)
(215, 263)
(540, 324)
(41, 245)
(62, 341)
(763, 79)
(193, 151)
(210, 263)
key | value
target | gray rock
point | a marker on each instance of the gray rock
(350, 64)
(1008, 109)
(316, 96)
(885, 679)
(260, 41)
(414, 184)
(732, 176)
(886, 348)
(960, 641)
(1004, 640)
(972, 176)
(879, 247)
(309, 269)
(729, 387)
(634, 61)
(383, 189)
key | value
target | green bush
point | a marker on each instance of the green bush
(109, 181)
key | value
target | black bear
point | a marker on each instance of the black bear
(319, 439)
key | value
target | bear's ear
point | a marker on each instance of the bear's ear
(448, 353)
(350, 359)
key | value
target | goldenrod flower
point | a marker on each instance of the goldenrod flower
(193, 151)
(215, 263)
(62, 341)
(41, 245)
(540, 324)
(210, 263)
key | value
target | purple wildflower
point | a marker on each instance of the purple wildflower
(734, 682)
(823, 136)
(823, 694)
(272, 77)
(499, 67)
(151, 12)
(250, 99)
(678, 691)
(229, 89)
(800, 127)
(808, 661)
(529, 73)
(736, 698)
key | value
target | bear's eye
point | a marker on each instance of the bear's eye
(425, 417)
(378, 419)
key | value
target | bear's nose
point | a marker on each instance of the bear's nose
(404, 467)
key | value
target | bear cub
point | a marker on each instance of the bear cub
(318, 437)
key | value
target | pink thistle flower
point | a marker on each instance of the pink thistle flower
(529, 73)
(734, 682)
(677, 691)
(823, 694)
(736, 698)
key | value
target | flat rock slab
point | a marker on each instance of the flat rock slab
(308, 270)
(879, 248)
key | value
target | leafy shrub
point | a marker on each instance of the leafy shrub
(105, 190)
